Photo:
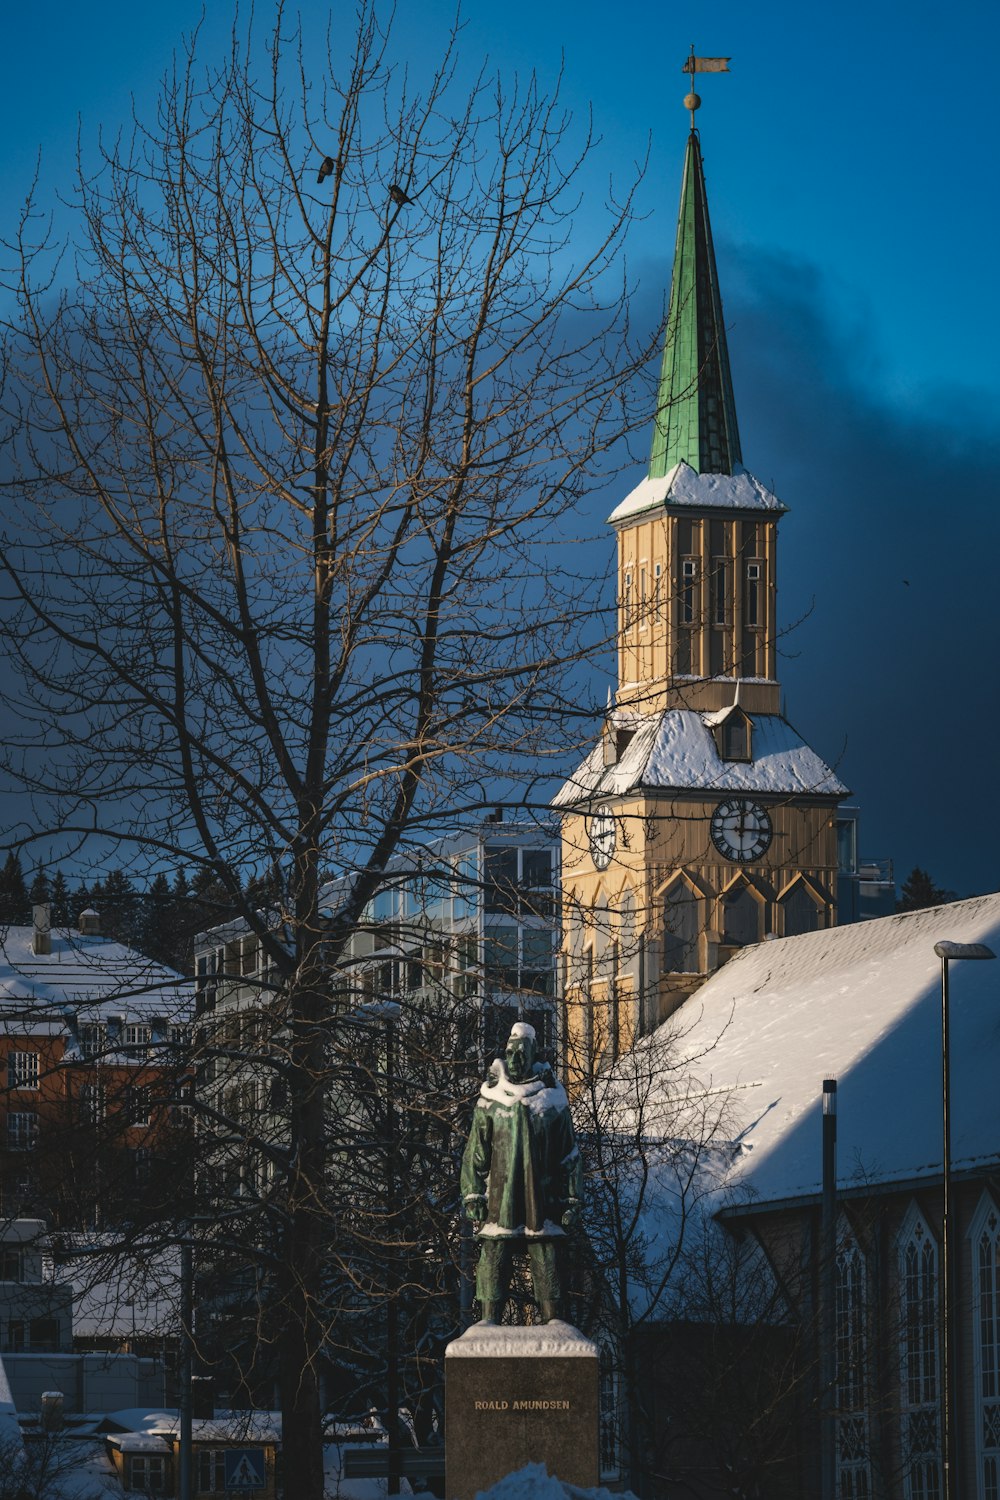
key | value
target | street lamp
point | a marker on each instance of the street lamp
(947, 952)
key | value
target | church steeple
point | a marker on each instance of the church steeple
(696, 413)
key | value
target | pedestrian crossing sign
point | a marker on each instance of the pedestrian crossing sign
(245, 1469)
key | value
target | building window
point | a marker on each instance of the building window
(657, 591)
(627, 601)
(22, 1130)
(689, 580)
(93, 1040)
(211, 1470)
(751, 595)
(143, 1166)
(854, 1476)
(985, 1236)
(681, 928)
(22, 1070)
(741, 917)
(137, 1039)
(918, 1283)
(11, 1265)
(801, 911)
(610, 1449)
(148, 1473)
(137, 1105)
(44, 1335)
(16, 1338)
(92, 1103)
(735, 736)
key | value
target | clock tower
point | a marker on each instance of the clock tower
(701, 821)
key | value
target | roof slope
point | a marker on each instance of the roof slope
(676, 751)
(89, 974)
(696, 413)
(861, 1004)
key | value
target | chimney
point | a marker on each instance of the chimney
(41, 922)
(89, 923)
(52, 1411)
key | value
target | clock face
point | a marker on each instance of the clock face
(602, 837)
(741, 830)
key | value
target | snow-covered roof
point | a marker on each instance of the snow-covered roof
(861, 1004)
(92, 976)
(121, 1294)
(676, 751)
(683, 485)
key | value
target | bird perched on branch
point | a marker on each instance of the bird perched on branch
(397, 195)
(326, 167)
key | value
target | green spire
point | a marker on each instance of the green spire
(696, 413)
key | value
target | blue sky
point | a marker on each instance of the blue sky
(850, 158)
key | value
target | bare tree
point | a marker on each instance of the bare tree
(285, 578)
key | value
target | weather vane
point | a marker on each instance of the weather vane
(693, 65)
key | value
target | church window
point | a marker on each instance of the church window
(741, 916)
(801, 911)
(736, 738)
(643, 617)
(985, 1236)
(720, 591)
(854, 1475)
(681, 927)
(627, 601)
(689, 578)
(609, 1415)
(919, 1396)
(720, 573)
(657, 590)
(751, 595)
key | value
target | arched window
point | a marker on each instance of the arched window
(741, 916)
(985, 1237)
(801, 911)
(919, 1388)
(681, 927)
(854, 1475)
(610, 1418)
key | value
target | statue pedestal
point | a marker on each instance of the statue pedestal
(520, 1395)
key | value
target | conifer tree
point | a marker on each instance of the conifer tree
(918, 891)
(14, 901)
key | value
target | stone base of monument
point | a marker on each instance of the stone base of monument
(519, 1395)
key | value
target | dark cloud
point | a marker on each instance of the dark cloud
(892, 538)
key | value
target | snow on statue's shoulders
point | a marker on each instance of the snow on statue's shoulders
(534, 1482)
(539, 1094)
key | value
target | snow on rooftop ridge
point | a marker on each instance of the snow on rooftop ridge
(676, 751)
(539, 1341)
(683, 485)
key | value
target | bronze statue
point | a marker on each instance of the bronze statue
(522, 1181)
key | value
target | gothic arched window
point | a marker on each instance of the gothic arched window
(919, 1389)
(681, 927)
(854, 1475)
(801, 911)
(741, 916)
(985, 1237)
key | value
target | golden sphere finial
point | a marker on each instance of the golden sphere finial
(692, 101)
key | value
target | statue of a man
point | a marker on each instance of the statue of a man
(522, 1181)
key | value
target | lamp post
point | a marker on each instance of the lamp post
(948, 952)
